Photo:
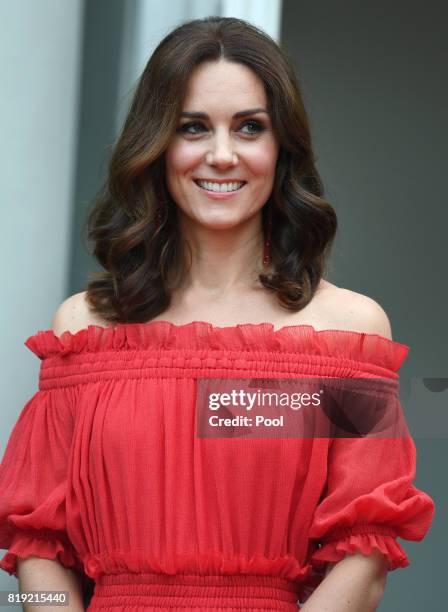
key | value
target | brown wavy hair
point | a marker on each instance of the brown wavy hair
(143, 260)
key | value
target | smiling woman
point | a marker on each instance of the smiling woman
(213, 234)
(217, 145)
(221, 153)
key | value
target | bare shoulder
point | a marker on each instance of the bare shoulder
(74, 314)
(358, 312)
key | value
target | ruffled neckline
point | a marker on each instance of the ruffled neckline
(201, 335)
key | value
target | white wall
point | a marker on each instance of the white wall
(40, 45)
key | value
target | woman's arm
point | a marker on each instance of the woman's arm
(354, 584)
(37, 574)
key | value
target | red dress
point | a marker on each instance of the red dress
(104, 471)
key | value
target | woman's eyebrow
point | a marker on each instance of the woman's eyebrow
(244, 113)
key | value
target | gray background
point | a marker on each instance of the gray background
(373, 77)
(374, 80)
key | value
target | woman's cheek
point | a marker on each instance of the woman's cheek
(264, 159)
(181, 154)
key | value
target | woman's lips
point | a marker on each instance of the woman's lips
(219, 195)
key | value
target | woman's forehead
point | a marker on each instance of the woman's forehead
(231, 83)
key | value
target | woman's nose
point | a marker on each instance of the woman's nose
(222, 151)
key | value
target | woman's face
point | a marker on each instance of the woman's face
(221, 146)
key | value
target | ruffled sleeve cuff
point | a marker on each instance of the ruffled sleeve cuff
(46, 544)
(361, 539)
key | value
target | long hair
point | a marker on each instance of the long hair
(133, 222)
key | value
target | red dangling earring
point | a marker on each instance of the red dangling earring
(268, 238)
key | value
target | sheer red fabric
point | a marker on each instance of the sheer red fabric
(104, 472)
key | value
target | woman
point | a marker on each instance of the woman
(214, 235)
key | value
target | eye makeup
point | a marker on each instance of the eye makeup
(256, 125)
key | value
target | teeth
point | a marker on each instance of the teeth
(221, 187)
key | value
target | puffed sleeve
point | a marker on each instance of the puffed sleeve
(370, 500)
(33, 479)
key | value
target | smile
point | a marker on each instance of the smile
(220, 187)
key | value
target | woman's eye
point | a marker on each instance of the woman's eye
(186, 126)
(256, 124)
(258, 127)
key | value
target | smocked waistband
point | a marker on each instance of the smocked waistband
(183, 591)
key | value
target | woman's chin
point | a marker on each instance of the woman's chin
(218, 222)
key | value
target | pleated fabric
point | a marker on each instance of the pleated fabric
(104, 470)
